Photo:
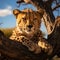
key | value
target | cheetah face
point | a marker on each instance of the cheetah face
(28, 21)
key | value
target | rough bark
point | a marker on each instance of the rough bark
(54, 39)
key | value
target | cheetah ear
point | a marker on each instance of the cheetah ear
(16, 12)
(41, 12)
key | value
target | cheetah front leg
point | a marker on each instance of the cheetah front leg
(46, 47)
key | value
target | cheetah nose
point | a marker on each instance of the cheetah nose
(30, 26)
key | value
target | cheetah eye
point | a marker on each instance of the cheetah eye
(24, 18)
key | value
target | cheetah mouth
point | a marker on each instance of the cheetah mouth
(28, 31)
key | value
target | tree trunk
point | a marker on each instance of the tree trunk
(54, 39)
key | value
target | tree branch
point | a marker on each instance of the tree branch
(56, 7)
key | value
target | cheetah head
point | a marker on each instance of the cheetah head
(28, 21)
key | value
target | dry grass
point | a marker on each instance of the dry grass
(7, 31)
